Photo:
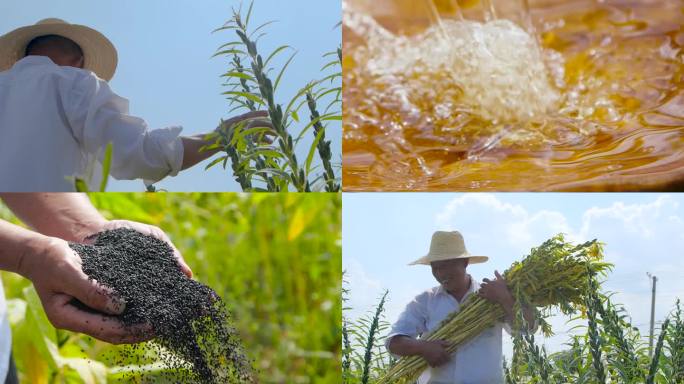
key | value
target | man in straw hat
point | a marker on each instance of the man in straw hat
(478, 361)
(58, 114)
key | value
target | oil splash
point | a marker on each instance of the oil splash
(494, 69)
(615, 122)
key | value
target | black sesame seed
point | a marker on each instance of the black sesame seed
(192, 328)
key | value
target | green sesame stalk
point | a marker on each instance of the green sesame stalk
(267, 91)
(259, 161)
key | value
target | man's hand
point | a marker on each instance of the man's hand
(435, 352)
(145, 229)
(55, 270)
(496, 291)
(195, 147)
(256, 119)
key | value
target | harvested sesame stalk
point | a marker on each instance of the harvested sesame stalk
(553, 275)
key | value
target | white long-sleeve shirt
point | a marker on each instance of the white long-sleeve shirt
(55, 123)
(478, 361)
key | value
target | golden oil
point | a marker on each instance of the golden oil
(618, 69)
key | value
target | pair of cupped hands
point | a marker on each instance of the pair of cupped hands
(55, 270)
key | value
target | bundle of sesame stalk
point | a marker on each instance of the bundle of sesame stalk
(553, 275)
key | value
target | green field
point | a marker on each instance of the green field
(275, 259)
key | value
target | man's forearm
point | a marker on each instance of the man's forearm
(69, 216)
(16, 245)
(405, 346)
(193, 144)
(191, 150)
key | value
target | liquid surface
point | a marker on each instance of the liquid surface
(474, 103)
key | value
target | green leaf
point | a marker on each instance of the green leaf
(312, 150)
(229, 44)
(91, 372)
(210, 147)
(331, 53)
(270, 171)
(44, 338)
(232, 85)
(249, 13)
(238, 75)
(229, 52)
(261, 26)
(272, 153)
(302, 92)
(275, 52)
(81, 185)
(211, 136)
(330, 77)
(16, 311)
(225, 27)
(282, 71)
(237, 140)
(253, 131)
(215, 161)
(327, 92)
(331, 104)
(240, 103)
(328, 117)
(106, 166)
(250, 96)
(330, 64)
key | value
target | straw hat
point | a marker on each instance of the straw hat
(447, 246)
(99, 53)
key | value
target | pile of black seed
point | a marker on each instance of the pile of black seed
(188, 318)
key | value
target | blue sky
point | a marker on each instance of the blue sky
(382, 233)
(165, 68)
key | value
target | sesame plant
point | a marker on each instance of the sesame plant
(252, 82)
(597, 356)
(363, 352)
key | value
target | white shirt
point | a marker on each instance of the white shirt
(478, 361)
(5, 337)
(55, 123)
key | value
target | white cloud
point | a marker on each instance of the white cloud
(507, 223)
(483, 200)
(644, 220)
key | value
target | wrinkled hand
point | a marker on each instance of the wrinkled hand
(254, 119)
(496, 291)
(145, 229)
(58, 278)
(435, 352)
